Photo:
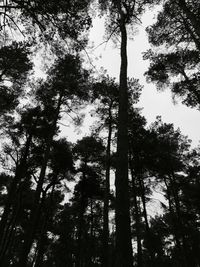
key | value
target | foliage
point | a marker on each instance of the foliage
(58, 202)
(176, 29)
(15, 65)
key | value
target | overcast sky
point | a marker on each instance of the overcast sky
(154, 103)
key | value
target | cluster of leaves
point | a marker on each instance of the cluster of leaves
(176, 31)
(15, 65)
(68, 18)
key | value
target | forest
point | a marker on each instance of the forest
(128, 193)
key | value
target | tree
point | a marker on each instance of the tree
(65, 87)
(176, 29)
(89, 151)
(106, 92)
(122, 14)
(178, 70)
(15, 65)
(173, 148)
(66, 18)
(179, 19)
(62, 170)
(136, 129)
(158, 162)
(140, 148)
(21, 134)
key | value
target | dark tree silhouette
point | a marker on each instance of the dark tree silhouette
(122, 14)
(106, 91)
(15, 65)
(177, 26)
(63, 89)
(58, 206)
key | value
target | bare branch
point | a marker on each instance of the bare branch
(107, 40)
(10, 18)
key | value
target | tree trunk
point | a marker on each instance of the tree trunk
(47, 214)
(10, 229)
(179, 219)
(19, 175)
(41, 250)
(91, 238)
(137, 217)
(105, 261)
(143, 198)
(79, 254)
(177, 231)
(148, 230)
(124, 254)
(174, 226)
(35, 213)
(79, 239)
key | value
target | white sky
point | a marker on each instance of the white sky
(154, 103)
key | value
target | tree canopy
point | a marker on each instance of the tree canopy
(126, 193)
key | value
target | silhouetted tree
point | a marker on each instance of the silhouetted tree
(121, 15)
(65, 87)
(89, 151)
(15, 65)
(106, 92)
(176, 26)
